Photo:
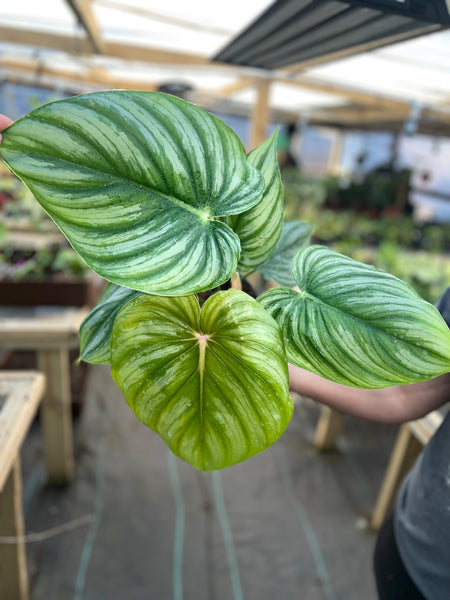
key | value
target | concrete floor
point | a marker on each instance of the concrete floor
(287, 524)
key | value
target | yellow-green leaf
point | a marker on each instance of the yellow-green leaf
(212, 382)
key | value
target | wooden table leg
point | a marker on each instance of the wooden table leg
(56, 416)
(13, 562)
(405, 452)
(328, 428)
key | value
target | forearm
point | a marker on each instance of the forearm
(390, 405)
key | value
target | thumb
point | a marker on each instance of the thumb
(4, 123)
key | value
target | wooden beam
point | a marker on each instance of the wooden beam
(21, 393)
(85, 15)
(403, 456)
(94, 75)
(82, 46)
(242, 83)
(46, 84)
(371, 101)
(353, 95)
(317, 85)
(56, 415)
(360, 113)
(354, 114)
(229, 106)
(349, 93)
(13, 564)
(140, 53)
(392, 113)
(328, 429)
(260, 115)
(211, 97)
(341, 117)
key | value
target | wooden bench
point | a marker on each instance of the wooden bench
(328, 428)
(20, 395)
(52, 332)
(411, 439)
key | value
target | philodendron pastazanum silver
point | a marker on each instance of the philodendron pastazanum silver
(160, 198)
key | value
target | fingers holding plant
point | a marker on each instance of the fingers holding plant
(4, 123)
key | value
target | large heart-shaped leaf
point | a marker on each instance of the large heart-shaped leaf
(96, 329)
(136, 181)
(355, 325)
(295, 235)
(259, 228)
(212, 382)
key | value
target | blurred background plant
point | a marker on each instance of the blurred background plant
(18, 207)
(372, 221)
(52, 264)
(368, 219)
(31, 247)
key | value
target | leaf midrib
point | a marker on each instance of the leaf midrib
(202, 213)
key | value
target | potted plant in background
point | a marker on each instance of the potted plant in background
(37, 265)
(159, 197)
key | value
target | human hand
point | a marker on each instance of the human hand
(4, 122)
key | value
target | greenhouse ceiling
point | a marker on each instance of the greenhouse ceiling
(85, 45)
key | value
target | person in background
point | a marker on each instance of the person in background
(412, 552)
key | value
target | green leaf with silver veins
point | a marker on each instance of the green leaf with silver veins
(295, 235)
(212, 382)
(96, 329)
(137, 182)
(356, 325)
(259, 228)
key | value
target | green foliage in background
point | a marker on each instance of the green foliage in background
(416, 253)
(42, 264)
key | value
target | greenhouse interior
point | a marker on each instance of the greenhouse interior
(224, 300)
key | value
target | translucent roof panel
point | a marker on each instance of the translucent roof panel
(287, 97)
(231, 16)
(47, 15)
(201, 27)
(158, 30)
(416, 70)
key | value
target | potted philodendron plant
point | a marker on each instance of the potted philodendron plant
(159, 197)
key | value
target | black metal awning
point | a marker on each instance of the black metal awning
(296, 31)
